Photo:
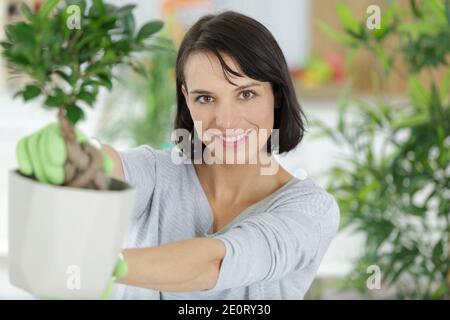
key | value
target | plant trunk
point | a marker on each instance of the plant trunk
(83, 168)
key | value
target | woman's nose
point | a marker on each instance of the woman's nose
(226, 116)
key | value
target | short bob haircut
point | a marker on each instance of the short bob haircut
(258, 55)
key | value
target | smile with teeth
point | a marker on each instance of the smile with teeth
(229, 139)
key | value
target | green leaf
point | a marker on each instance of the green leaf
(127, 23)
(126, 9)
(418, 93)
(99, 5)
(110, 57)
(347, 19)
(31, 92)
(438, 251)
(6, 45)
(20, 33)
(97, 82)
(417, 28)
(416, 12)
(139, 68)
(412, 121)
(47, 7)
(69, 79)
(439, 293)
(26, 12)
(148, 29)
(17, 59)
(444, 90)
(74, 113)
(105, 80)
(108, 22)
(447, 11)
(87, 97)
(333, 34)
(381, 33)
(57, 99)
(435, 9)
(383, 57)
(105, 83)
(95, 67)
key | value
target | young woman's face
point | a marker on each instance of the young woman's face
(234, 120)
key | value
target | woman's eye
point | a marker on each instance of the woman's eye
(246, 95)
(204, 99)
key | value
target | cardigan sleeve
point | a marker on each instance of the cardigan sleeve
(139, 167)
(270, 245)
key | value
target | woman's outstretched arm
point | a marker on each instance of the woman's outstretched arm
(182, 266)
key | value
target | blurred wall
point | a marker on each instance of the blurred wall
(288, 20)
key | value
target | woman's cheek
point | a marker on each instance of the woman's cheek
(202, 115)
(197, 113)
(261, 115)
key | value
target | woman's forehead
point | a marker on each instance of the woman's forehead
(203, 70)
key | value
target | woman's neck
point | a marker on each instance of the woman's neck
(239, 183)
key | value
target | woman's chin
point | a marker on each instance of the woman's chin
(231, 154)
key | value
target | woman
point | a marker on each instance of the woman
(206, 230)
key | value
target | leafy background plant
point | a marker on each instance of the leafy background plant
(154, 97)
(393, 183)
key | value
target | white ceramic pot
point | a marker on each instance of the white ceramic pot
(63, 241)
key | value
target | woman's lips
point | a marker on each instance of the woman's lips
(233, 141)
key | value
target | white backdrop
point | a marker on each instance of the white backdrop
(288, 20)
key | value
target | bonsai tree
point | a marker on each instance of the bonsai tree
(68, 51)
(394, 185)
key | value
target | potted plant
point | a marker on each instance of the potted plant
(394, 185)
(67, 217)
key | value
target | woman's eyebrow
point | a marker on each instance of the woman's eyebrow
(245, 86)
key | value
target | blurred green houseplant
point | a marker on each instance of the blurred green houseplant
(394, 186)
(154, 95)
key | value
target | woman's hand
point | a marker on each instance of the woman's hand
(44, 154)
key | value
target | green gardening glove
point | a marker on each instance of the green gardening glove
(44, 154)
(120, 270)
